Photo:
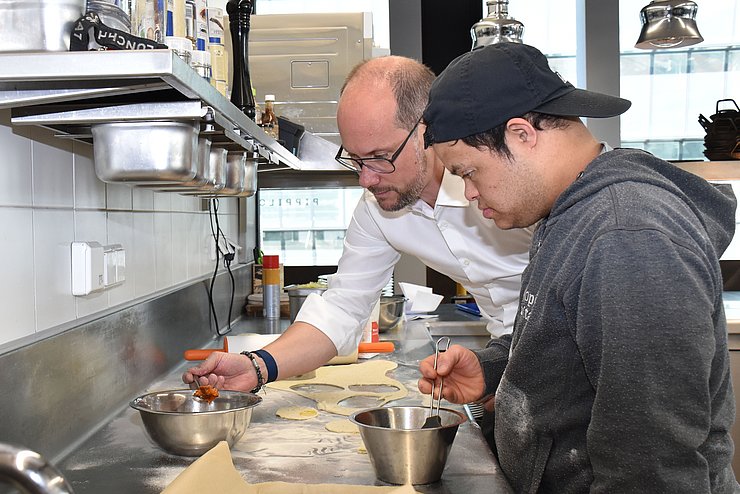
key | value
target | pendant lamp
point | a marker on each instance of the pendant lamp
(497, 27)
(668, 24)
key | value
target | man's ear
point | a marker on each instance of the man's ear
(520, 131)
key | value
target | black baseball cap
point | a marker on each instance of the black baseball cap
(486, 87)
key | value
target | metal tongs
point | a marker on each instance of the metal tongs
(434, 420)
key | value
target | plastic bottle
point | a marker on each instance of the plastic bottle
(176, 18)
(191, 30)
(201, 25)
(269, 119)
(271, 286)
(370, 331)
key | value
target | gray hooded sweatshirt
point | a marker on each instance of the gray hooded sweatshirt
(618, 373)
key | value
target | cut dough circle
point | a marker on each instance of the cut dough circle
(296, 413)
(342, 426)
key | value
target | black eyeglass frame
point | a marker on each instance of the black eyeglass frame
(359, 163)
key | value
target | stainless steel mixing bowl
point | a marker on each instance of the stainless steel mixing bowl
(399, 449)
(183, 425)
(391, 312)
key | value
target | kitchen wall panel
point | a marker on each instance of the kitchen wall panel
(49, 197)
(89, 191)
(53, 173)
(15, 186)
(53, 233)
(16, 272)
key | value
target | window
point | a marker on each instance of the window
(306, 227)
(668, 88)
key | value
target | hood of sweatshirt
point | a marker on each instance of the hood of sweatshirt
(713, 204)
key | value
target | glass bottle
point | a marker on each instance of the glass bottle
(269, 119)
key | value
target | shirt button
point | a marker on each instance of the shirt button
(443, 225)
(466, 262)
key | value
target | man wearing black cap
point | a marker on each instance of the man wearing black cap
(621, 305)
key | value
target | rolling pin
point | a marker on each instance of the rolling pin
(378, 347)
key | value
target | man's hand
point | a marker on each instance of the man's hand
(461, 371)
(223, 371)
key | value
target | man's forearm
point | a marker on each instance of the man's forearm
(302, 348)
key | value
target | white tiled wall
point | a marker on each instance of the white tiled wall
(50, 197)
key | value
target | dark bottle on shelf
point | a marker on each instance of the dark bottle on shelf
(241, 86)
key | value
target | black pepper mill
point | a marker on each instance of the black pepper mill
(241, 86)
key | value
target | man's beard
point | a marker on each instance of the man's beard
(412, 192)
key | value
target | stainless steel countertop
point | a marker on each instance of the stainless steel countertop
(119, 457)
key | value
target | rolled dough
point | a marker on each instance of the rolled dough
(341, 379)
(215, 472)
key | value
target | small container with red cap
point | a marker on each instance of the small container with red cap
(271, 286)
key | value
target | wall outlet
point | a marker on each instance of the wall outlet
(87, 268)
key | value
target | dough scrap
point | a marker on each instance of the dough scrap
(341, 377)
(215, 472)
(296, 413)
(342, 426)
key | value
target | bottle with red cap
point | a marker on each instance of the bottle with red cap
(271, 286)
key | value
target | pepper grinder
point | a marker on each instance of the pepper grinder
(240, 12)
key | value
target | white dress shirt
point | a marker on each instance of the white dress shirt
(452, 238)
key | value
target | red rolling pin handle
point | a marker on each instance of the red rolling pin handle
(377, 347)
(203, 354)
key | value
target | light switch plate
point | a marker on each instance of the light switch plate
(115, 265)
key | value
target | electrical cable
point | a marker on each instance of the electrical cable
(213, 278)
(228, 257)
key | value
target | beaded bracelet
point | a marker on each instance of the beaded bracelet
(269, 360)
(260, 380)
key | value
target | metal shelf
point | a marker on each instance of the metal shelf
(714, 171)
(68, 91)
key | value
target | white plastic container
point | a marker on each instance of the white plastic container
(182, 47)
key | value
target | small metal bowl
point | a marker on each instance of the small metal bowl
(145, 151)
(400, 450)
(391, 312)
(184, 425)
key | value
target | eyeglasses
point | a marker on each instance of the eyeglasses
(375, 163)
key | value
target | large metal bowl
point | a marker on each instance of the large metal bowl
(391, 312)
(400, 450)
(183, 425)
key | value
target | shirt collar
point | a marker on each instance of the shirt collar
(452, 191)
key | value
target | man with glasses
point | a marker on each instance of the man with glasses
(412, 205)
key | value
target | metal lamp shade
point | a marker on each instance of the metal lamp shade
(497, 27)
(668, 24)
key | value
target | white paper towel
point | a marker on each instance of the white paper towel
(419, 298)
